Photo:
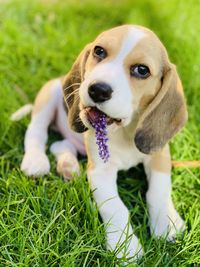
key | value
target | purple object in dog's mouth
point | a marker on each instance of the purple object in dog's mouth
(99, 122)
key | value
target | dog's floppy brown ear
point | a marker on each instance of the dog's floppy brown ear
(164, 116)
(71, 84)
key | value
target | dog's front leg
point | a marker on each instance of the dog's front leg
(35, 161)
(115, 215)
(164, 219)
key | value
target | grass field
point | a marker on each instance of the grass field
(47, 222)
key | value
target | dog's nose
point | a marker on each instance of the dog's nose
(100, 92)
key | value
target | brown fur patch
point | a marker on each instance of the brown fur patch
(111, 41)
(70, 84)
(164, 116)
(145, 101)
(43, 97)
(160, 161)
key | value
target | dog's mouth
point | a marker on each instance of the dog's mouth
(93, 115)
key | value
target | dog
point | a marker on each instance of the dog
(125, 74)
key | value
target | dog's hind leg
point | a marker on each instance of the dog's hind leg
(35, 162)
(65, 153)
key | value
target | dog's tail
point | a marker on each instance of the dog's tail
(21, 112)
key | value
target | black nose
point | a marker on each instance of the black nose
(100, 92)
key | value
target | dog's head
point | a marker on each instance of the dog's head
(126, 74)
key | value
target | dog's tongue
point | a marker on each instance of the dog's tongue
(94, 115)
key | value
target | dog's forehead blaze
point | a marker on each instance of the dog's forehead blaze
(120, 40)
(147, 51)
(127, 44)
(112, 39)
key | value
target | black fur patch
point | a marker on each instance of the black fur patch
(142, 142)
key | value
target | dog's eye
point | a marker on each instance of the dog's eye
(140, 71)
(100, 52)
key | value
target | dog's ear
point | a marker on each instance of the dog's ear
(164, 116)
(71, 84)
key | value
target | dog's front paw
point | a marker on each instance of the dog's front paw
(167, 224)
(35, 163)
(176, 225)
(67, 165)
(125, 247)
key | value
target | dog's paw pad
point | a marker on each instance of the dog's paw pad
(67, 165)
(35, 163)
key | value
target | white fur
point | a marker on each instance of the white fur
(114, 213)
(35, 161)
(102, 181)
(36, 138)
(164, 219)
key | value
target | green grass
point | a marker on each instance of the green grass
(51, 223)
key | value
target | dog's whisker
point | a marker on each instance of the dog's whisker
(71, 94)
(74, 100)
(71, 101)
(71, 85)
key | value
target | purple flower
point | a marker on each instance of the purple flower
(101, 136)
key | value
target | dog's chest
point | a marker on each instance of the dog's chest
(124, 152)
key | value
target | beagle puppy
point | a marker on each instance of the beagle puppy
(125, 74)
